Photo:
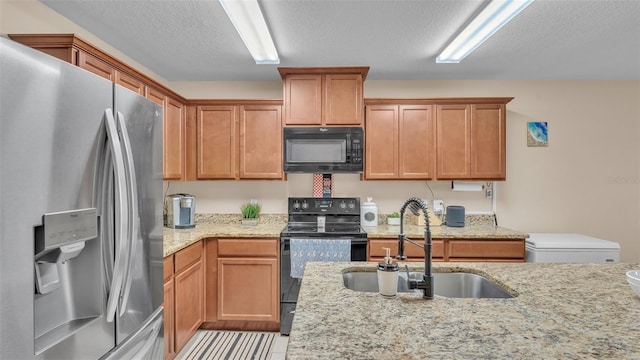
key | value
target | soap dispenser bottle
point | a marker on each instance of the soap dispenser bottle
(388, 275)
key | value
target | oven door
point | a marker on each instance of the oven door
(290, 286)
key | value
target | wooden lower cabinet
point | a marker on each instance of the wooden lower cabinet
(169, 309)
(486, 250)
(183, 297)
(247, 289)
(468, 250)
(414, 253)
(244, 274)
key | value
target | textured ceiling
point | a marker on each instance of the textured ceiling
(183, 40)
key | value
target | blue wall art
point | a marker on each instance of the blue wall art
(537, 134)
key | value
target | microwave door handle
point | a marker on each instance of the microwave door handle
(134, 220)
(121, 215)
(348, 155)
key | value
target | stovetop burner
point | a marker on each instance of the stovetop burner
(341, 217)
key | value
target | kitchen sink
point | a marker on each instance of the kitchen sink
(452, 285)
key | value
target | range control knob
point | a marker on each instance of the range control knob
(305, 205)
(296, 205)
(342, 205)
(352, 205)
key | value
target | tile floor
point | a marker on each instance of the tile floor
(280, 348)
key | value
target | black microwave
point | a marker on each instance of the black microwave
(323, 149)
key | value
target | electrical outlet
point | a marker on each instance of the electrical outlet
(488, 192)
(438, 206)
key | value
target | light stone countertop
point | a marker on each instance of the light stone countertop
(177, 239)
(479, 231)
(271, 226)
(561, 311)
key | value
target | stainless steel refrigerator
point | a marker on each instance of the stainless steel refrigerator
(80, 214)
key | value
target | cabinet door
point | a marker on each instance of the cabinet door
(248, 289)
(343, 102)
(453, 123)
(174, 140)
(217, 144)
(381, 142)
(169, 334)
(413, 253)
(211, 280)
(486, 250)
(188, 303)
(416, 142)
(303, 99)
(129, 82)
(95, 65)
(260, 142)
(488, 142)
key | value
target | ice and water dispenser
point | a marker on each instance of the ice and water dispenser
(69, 287)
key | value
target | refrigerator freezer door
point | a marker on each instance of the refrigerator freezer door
(146, 343)
(51, 135)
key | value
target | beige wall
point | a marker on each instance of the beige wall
(586, 181)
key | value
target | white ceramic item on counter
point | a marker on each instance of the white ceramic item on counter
(369, 213)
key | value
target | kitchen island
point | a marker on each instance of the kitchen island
(560, 311)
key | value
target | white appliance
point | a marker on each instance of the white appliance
(570, 248)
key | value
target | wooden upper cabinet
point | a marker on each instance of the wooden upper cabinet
(453, 132)
(400, 142)
(488, 141)
(342, 96)
(381, 142)
(323, 96)
(303, 99)
(174, 140)
(173, 134)
(129, 82)
(416, 142)
(96, 66)
(217, 142)
(239, 142)
(471, 141)
(260, 142)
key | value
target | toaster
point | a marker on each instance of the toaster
(181, 211)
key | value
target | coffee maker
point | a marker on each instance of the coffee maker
(181, 211)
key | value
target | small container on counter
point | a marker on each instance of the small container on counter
(388, 275)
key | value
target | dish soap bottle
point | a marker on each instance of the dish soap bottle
(388, 275)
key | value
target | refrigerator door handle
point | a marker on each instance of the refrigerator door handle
(134, 219)
(121, 215)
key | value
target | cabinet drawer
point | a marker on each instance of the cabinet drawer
(248, 247)
(188, 256)
(503, 249)
(411, 251)
(167, 267)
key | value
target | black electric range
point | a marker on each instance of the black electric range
(319, 219)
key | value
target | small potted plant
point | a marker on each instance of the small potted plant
(393, 218)
(250, 212)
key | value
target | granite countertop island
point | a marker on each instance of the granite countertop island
(560, 311)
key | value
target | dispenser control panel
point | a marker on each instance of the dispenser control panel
(67, 227)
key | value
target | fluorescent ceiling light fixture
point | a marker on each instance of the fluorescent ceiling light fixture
(491, 19)
(249, 22)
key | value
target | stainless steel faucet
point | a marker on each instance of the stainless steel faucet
(414, 204)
